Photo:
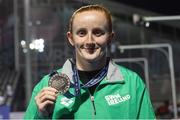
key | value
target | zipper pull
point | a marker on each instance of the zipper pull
(92, 99)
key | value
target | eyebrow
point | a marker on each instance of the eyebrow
(96, 28)
(80, 29)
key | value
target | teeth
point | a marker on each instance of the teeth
(90, 48)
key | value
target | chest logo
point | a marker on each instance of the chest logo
(115, 99)
(66, 102)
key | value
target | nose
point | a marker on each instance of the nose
(90, 38)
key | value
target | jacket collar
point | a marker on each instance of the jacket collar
(114, 74)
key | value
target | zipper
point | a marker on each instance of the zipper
(94, 108)
(92, 100)
(93, 104)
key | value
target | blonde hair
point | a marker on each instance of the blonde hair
(92, 8)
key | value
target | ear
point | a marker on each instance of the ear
(110, 37)
(70, 38)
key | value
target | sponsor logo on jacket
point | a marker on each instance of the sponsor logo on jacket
(115, 99)
(66, 101)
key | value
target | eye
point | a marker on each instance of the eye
(81, 33)
(98, 32)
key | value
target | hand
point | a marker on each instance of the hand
(45, 98)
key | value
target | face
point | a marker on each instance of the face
(90, 35)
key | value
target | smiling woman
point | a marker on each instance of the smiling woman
(100, 89)
(90, 36)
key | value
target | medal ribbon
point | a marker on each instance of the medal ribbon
(92, 82)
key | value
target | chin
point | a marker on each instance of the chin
(90, 59)
(94, 58)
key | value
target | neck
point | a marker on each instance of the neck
(85, 65)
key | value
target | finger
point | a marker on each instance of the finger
(41, 97)
(49, 89)
(37, 100)
(47, 97)
(43, 106)
(46, 94)
(43, 93)
(43, 103)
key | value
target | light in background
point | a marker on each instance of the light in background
(36, 44)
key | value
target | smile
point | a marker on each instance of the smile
(90, 50)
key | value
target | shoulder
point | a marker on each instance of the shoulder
(126, 72)
(130, 76)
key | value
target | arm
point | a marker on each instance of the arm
(145, 106)
(42, 97)
(32, 110)
(146, 109)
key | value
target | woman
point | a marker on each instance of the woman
(99, 88)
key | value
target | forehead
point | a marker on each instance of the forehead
(90, 17)
(90, 10)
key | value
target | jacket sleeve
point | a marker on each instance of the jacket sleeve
(145, 106)
(32, 110)
(146, 109)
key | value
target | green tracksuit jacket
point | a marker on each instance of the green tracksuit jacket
(120, 95)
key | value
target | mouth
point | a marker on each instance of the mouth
(90, 50)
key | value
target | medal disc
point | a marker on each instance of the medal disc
(60, 82)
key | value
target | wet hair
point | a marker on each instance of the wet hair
(92, 8)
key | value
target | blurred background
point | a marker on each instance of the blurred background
(33, 43)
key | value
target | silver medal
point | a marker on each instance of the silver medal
(60, 82)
